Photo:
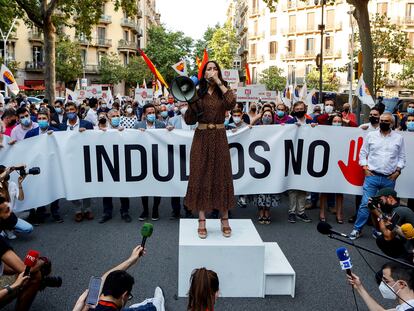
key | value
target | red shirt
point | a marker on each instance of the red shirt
(349, 116)
(8, 130)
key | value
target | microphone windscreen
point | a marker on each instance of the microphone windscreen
(324, 227)
(31, 258)
(342, 254)
(408, 231)
(146, 230)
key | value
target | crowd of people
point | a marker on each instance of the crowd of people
(382, 158)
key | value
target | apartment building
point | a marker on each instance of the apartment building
(289, 38)
(114, 33)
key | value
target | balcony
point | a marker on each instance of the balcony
(333, 27)
(256, 36)
(139, 13)
(105, 19)
(254, 12)
(288, 56)
(102, 42)
(407, 20)
(35, 66)
(127, 45)
(83, 41)
(242, 50)
(330, 53)
(256, 59)
(289, 31)
(308, 55)
(91, 69)
(35, 36)
(129, 23)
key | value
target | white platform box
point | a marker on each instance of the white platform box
(238, 260)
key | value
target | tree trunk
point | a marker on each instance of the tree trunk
(49, 34)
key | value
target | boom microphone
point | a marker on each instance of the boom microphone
(325, 228)
(344, 259)
(146, 232)
(30, 261)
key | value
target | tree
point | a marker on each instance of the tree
(361, 15)
(111, 70)
(203, 43)
(330, 81)
(165, 48)
(223, 45)
(136, 71)
(273, 78)
(68, 60)
(47, 14)
(12, 65)
(406, 77)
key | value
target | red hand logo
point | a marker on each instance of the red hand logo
(353, 172)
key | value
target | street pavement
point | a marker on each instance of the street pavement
(80, 250)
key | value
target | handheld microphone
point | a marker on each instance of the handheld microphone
(30, 261)
(344, 259)
(146, 232)
(325, 228)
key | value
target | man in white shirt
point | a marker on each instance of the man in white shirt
(373, 124)
(92, 114)
(382, 157)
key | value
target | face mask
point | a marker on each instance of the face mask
(226, 122)
(328, 109)
(410, 110)
(151, 118)
(102, 121)
(25, 121)
(410, 126)
(385, 127)
(183, 110)
(115, 121)
(58, 110)
(267, 120)
(386, 292)
(129, 110)
(280, 114)
(346, 109)
(43, 124)
(171, 100)
(175, 109)
(12, 122)
(253, 109)
(236, 120)
(103, 106)
(72, 116)
(373, 120)
(164, 114)
(337, 124)
(300, 114)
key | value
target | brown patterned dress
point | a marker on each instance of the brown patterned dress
(210, 184)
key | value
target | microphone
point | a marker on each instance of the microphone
(344, 259)
(30, 261)
(146, 232)
(325, 228)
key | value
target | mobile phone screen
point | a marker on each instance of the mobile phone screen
(94, 288)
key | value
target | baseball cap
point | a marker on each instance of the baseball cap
(386, 192)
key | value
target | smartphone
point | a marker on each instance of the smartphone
(94, 290)
(394, 220)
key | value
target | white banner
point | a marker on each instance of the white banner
(143, 95)
(231, 75)
(251, 92)
(131, 163)
(97, 91)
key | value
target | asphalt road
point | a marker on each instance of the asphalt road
(79, 250)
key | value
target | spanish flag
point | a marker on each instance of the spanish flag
(151, 67)
(198, 62)
(248, 78)
(203, 63)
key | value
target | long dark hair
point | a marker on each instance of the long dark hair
(204, 286)
(203, 86)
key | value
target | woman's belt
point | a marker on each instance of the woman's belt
(210, 126)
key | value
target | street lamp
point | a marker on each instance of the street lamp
(321, 27)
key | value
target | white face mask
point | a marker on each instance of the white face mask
(183, 110)
(129, 110)
(236, 120)
(328, 109)
(387, 292)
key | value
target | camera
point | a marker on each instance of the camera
(31, 171)
(374, 203)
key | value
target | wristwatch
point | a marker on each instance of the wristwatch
(9, 289)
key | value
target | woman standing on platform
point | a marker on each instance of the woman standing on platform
(210, 184)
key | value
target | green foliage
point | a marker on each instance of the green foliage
(202, 44)
(223, 45)
(136, 71)
(111, 70)
(272, 4)
(273, 78)
(330, 80)
(165, 48)
(12, 65)
(68, 60)
(406, 77)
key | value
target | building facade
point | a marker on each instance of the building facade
(289, 38)
(114, 33)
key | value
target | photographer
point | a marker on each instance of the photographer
(388, 216)
(12, 192)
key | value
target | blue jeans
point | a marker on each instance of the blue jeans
(371, 186)
(23, 226)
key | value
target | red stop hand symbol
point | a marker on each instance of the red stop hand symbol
(352, 171)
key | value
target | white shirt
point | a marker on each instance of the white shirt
(184, 125)
(404, 306)
(370, 127)
(72, 127)
(150, 126)
(383, 154)
(14, 194)
(92, 116)
(60, 116)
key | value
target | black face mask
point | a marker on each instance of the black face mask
(300, 114)
(346, 109)
(373, 120)
(385, 127)
(253, 109)
(102, 121)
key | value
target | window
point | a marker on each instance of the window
(330, 19)
(37, 52)
(255, 6)
(256, 27)
(272, 49)
(292, 23)
(409, 12)
(126, 35)
(311, 21)
(273, 26)
(291, 74)
(329, 43)
(308, 69)
(310, 44)
(83, 57)
(253, 51)
(291, 46)
(254, 75)
(103, 8)
(411, 39)
(382, 8)
(100, 55)
(101, 33)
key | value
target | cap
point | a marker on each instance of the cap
(408, 231)
(386, 192)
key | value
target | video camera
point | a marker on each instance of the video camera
(21, 170)
(375, 203)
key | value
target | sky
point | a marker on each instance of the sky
(192, 16)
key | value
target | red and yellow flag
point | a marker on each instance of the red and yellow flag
(198, 62)
(203, 63)
(248, 78)
(151, 67)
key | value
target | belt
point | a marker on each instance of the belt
(210, 126)
(379, 174)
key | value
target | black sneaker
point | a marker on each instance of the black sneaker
(57, 219)
(267, 221)
(51, 281)
(304, 217)
(143, 216)
(175, 216)
(292, 218)
(155, 215)
(261, 220)
(126, 217)
(188, 214)
(105, 218)
(352, 219)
